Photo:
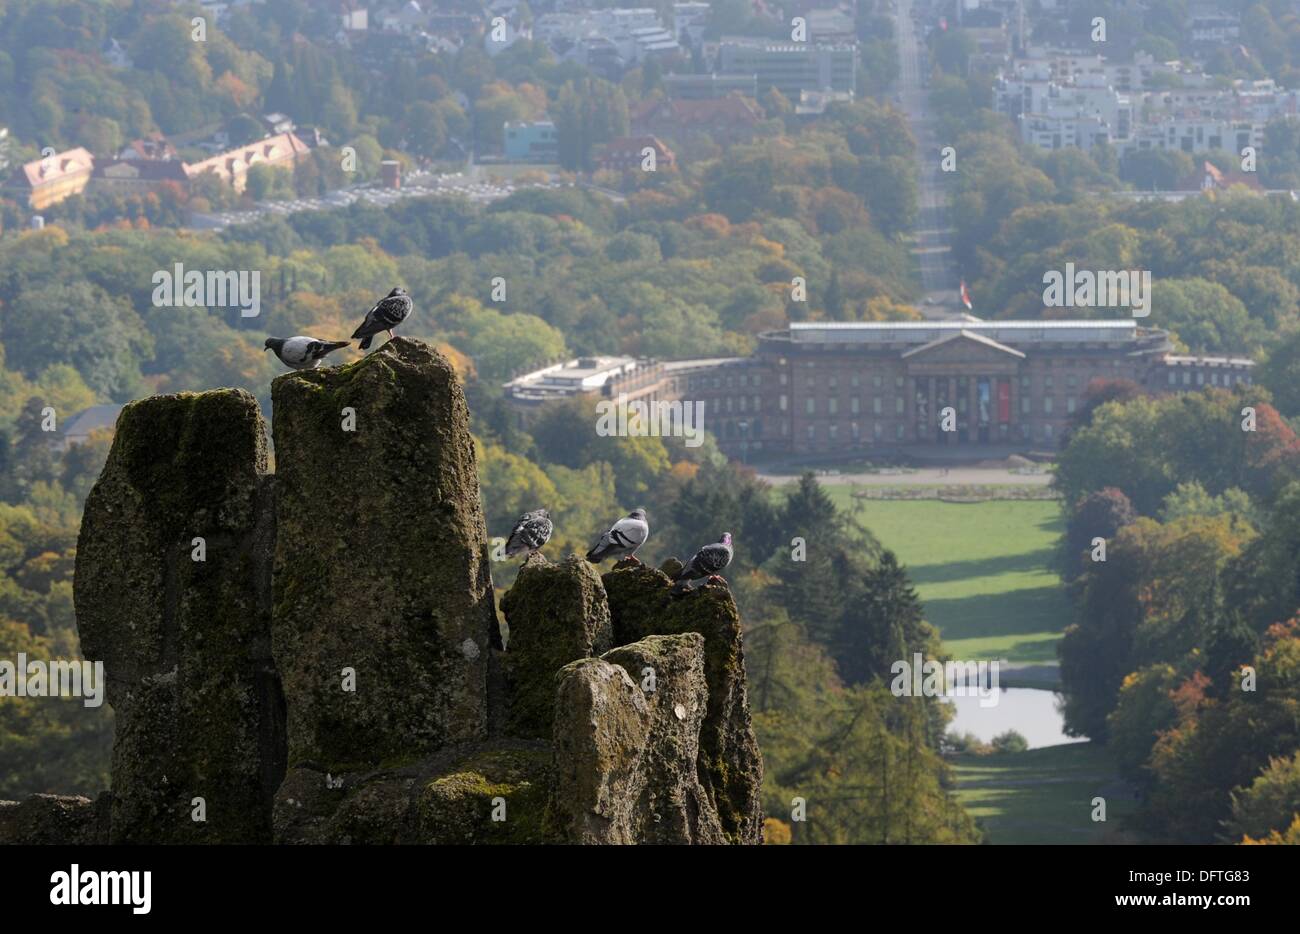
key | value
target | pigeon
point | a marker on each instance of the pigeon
(388, 313)
(708, 561)
(531, 532)
(302, 353)
(623, 538)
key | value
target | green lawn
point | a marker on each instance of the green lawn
(1045, 795)
(983, 570)
(984, 573)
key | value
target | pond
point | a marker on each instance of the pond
(1031, 712)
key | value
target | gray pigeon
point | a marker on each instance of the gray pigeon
(708, 561)
(302, 353)
(623, 538)
(531, 532)
(388, 313)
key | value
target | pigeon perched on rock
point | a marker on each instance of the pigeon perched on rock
(388, 313)
(623, 538)
(531, 532)
(302, 353)
(708, 561)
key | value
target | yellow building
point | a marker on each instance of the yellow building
(232, 167)
(50, 180)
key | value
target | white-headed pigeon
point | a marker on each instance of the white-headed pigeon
(302, 353)
(708, 561)
(623, 538)
(531, 532)
(388, 313)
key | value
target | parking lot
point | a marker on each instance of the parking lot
(415, 185)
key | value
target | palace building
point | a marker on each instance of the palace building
(819, 388)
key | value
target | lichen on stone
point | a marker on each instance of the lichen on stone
(616, 713)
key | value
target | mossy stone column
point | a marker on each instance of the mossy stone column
(173, 594)
(383, 601)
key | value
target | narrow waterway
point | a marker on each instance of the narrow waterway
(1032, 712)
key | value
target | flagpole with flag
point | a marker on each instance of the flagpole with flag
(965, 295)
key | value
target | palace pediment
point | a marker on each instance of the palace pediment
(964, 347)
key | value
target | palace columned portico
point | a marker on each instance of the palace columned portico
(974, 375)
(857, 388)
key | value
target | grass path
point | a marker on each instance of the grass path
(1045, 795)
(982, 569)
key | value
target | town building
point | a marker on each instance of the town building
(1207, 26)
(282, 151)
(352, 16)
(689, 22)
(791, 67)
(1212, 178)
(827, 389)
(1080, 109)
(607, 40)
(277, 123)
(689, 87)
(150, 148)
(137, 176)
(627, 153)
(115, 54)
(1066, 97)
(47, 181)
(531, 141)
(725, 121)
(638, 379)
(81, 426)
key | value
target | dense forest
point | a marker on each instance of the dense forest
(1184, 656)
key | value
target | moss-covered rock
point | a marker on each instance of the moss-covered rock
(185, 642)
(671, 804)
(381, 560)
(636, 595)
(556, 613)
(494, 792)
(65, 820)
(498, 795)
(363, 564)
(305, 805)
(602, 723)
(731, 767)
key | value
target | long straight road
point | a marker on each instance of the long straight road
(939, 279)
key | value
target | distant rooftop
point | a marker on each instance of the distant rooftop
(924, 332)
(673, 366)
(785, 45)
(579, 375)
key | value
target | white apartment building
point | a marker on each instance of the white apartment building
(1142, 73)
(1081, 110)
(1196, 135)
(691, 19)
(636, 34)
(1213, 27)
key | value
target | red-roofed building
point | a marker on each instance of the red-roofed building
(725, 119)
(625, 154)
(151, 148)
(48, 181)
(232, 167)
(1212, 178)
